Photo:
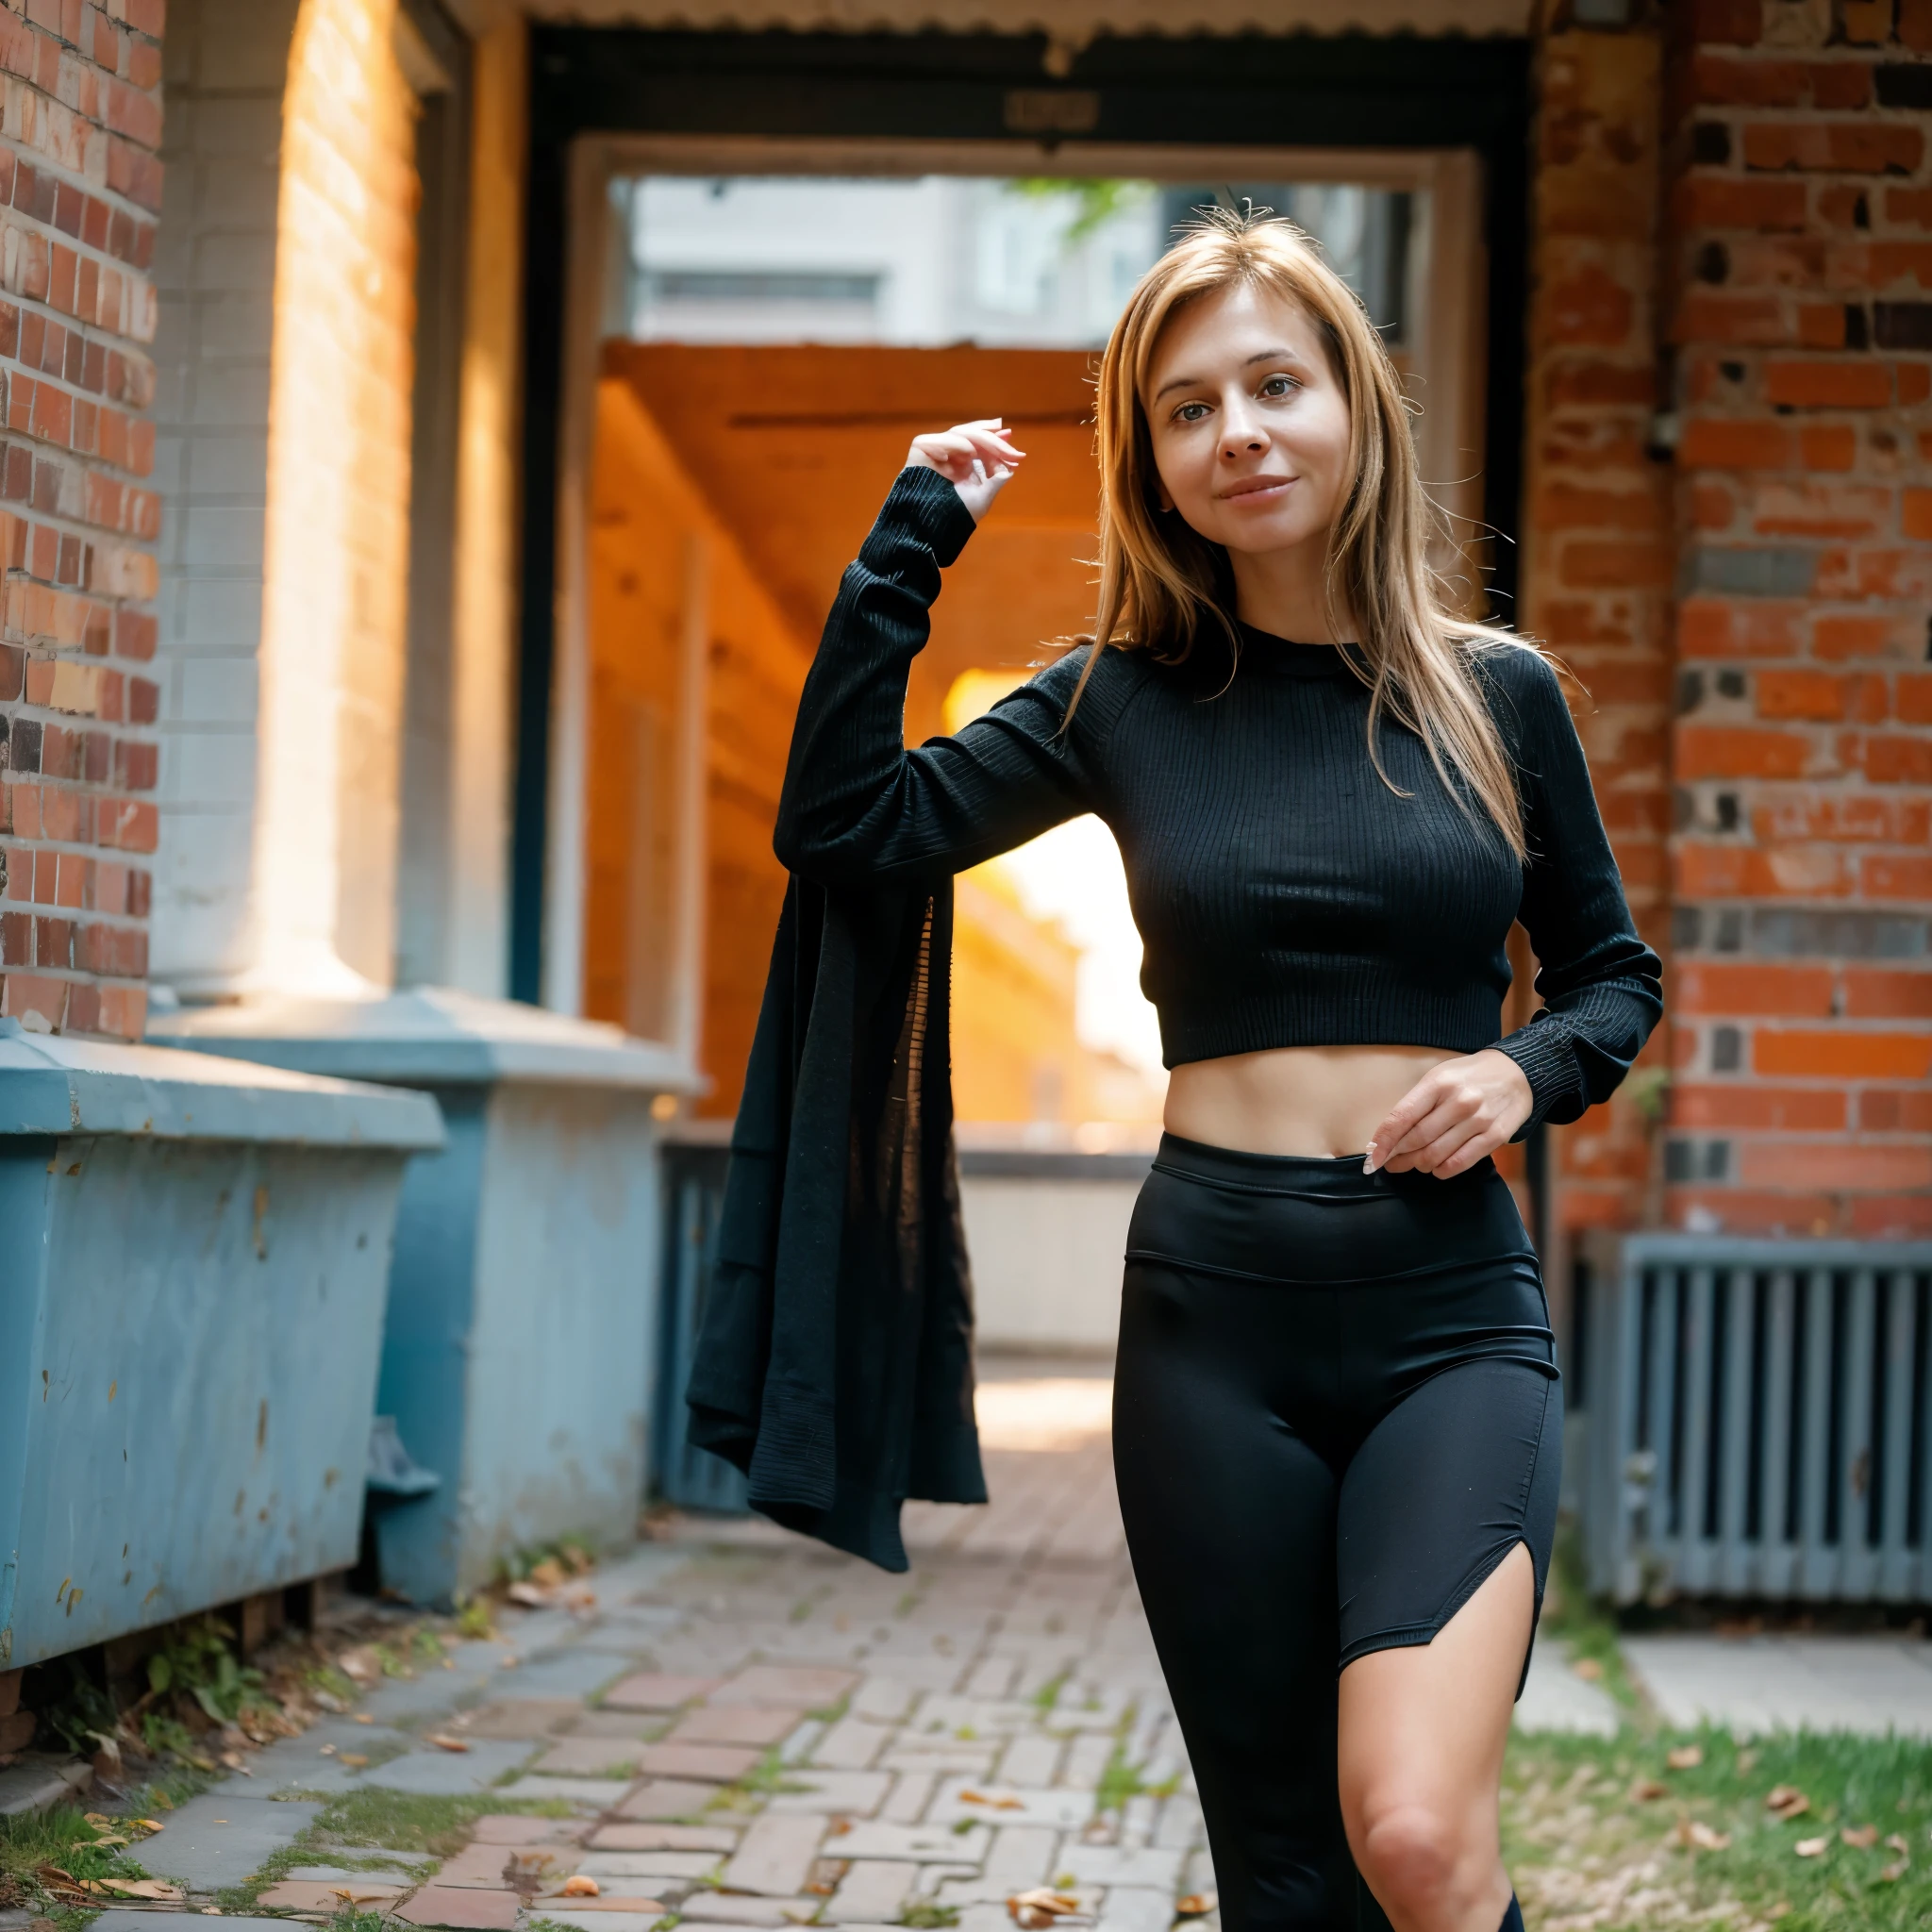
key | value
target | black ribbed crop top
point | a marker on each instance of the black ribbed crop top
(1284, 896)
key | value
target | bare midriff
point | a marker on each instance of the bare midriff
(1305, 1100)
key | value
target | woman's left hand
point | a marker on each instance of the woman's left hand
(1458, 1111)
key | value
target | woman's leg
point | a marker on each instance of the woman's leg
(1230, 1518)
(1447, 1514)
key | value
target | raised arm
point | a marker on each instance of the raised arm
(1600, 984)
(858, 806)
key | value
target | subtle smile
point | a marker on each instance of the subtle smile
(1258, 488)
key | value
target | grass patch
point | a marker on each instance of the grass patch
(1048, 1695)
(928, 1914)
(1584, 1844)
(383, 1821)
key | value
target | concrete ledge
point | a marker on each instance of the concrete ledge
(429, 1036)
(52, 1084)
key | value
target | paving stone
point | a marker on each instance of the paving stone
(846, 1794)
(980, 1715)
(851, 1744)
(447, 1774)
(985, 1918)
(802, 1741)
(782, 1684)
(588, 1758)
(1129, 1908)
(616, 1903)
(643, 1727)
(478, 1863)
(775, 1854)
(911, 1794)
(1022, 1855)
(1116, 1865)
(735, 1908)
(993, 1677)
(562, 1673)
(1004, 1804)
(1555, 1698)
(973, 1759)
(1181, 1824)
(520, 1828)
(517, 1717)
(595, 1792)
(219, 1839)
(1033, 1759)
(531, 1633)
(328, 1895)
(722, 1763)
(1087, 1761)
(124, 1919)
(667, 1797)
(735, 1723)
(466, 1909)
(1867, 1685)
(656, 1690)
(885, 1700)
(876, 1838)
(602, 1865)
(874, 1890)
(381, 1877)
(663, 1838)
(580, 1921)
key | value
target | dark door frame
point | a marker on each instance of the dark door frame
(1350, 90)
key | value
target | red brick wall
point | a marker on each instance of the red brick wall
(80, 117)
(1800, 263)
(1597, 545)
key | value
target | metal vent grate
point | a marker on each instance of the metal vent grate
(1760, 1420)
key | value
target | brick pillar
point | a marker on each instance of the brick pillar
(1802, 329)
(1597, 546)
(79, 190)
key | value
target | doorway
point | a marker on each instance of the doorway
(741, 332)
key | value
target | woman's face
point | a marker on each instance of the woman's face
(1249, 423)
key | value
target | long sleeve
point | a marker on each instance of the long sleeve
(858, 806)
(1600, 984)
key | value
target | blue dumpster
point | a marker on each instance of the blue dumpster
(519, 1361)
(194, 1256)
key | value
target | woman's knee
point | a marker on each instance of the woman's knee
(1419, 1857)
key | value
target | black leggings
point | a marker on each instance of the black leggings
(1335, 1411)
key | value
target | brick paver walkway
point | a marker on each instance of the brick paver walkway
(747, 1730)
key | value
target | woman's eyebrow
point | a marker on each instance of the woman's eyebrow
(1279, 355)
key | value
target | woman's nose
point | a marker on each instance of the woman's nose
(1240, 438)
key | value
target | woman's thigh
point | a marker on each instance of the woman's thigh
(1446, 1518)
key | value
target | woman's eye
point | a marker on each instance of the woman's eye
(1190, 413)
(1279, 386)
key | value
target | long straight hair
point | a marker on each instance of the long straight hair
(1161, 581)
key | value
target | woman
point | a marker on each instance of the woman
(1336, 1417)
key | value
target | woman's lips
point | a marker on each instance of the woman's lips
(1258, 487)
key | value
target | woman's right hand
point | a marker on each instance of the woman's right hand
(974, 457)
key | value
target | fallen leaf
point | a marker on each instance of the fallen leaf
(99, 1820)
(233, 1760)
(1892, 1873)
(363, 1717)
(1045, 1900)
(1810, 1847)
(111, 1838)
(549, 1572)
(581, 1886)
(1702, 1836)
(1588, 1668)
(998, 1803)
(325, 1750)
(1685, 1757)
(443, 1743)
(144, 1888)
(839, 1828)
(356, 1760)
(360, 1665)
(151, 1823)
(1197, 1905)
(1788, 1800)
(1645, 1789)
(528, 1594)
(1862, 1838)
(1897, 1842)
(800, 1914)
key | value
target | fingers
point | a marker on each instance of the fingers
(1452, 1117)
(1394, 1131)
(955, 452)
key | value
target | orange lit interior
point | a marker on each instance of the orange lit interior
(738, 482)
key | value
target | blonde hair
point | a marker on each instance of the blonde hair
(1159, 580)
